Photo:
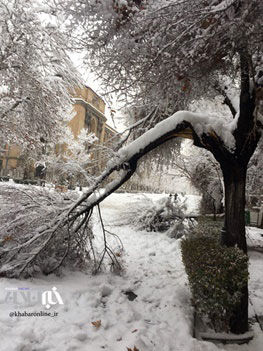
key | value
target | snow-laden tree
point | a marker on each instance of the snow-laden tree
(169, 53)
(164, 51)
(255, 175)
(199, 167)
(70, 159)
(29, 208)
(36, 74)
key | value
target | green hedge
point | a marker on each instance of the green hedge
(216, 276)
(209, 227)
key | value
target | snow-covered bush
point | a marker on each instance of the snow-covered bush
(25, 246)
(217, 275)
(181, 227)
(156, 216)
(165, 215)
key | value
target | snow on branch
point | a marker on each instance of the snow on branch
(27, 239)
(48, 222)
(230, 93)
(223, 6)
(142, 123)
(200, 124)
(127, 157)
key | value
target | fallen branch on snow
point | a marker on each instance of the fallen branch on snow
(71, 221)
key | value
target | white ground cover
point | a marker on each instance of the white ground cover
(159, 319)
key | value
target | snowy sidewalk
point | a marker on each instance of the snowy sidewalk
(158, 319)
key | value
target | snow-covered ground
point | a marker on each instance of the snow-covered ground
(160, 318)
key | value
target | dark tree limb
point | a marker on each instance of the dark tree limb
(228, 102)
(246, 133)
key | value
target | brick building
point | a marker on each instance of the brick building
(90, 114)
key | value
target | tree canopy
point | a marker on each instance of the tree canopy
(170, 52)
(36, 74)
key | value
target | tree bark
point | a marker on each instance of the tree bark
(235, 191)
(235, 199)
(239, 321)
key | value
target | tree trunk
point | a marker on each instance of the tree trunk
(235, 198)
(235, 190)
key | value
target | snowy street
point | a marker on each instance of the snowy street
(159, 317)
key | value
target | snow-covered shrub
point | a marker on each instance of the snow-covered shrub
(181, 227)
(152, 220)
(25, 246)
(157, 216)
(217, 275)
(165, 215)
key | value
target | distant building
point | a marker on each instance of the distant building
(90, 114)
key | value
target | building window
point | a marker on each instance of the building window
(93, 126)
(87, 118)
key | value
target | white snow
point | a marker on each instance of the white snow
(202, 124)
(159, 319)
(3, 89)
(123, 2)
(223, 5)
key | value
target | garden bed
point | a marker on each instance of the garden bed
(202, 332)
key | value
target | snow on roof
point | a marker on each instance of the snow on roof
(78, 99)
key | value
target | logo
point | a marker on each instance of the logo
(47, 298)
(27, 296)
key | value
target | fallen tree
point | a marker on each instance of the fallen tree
(206, 131)
(76, 215)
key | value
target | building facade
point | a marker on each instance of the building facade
(90, 114)
(89, 110)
